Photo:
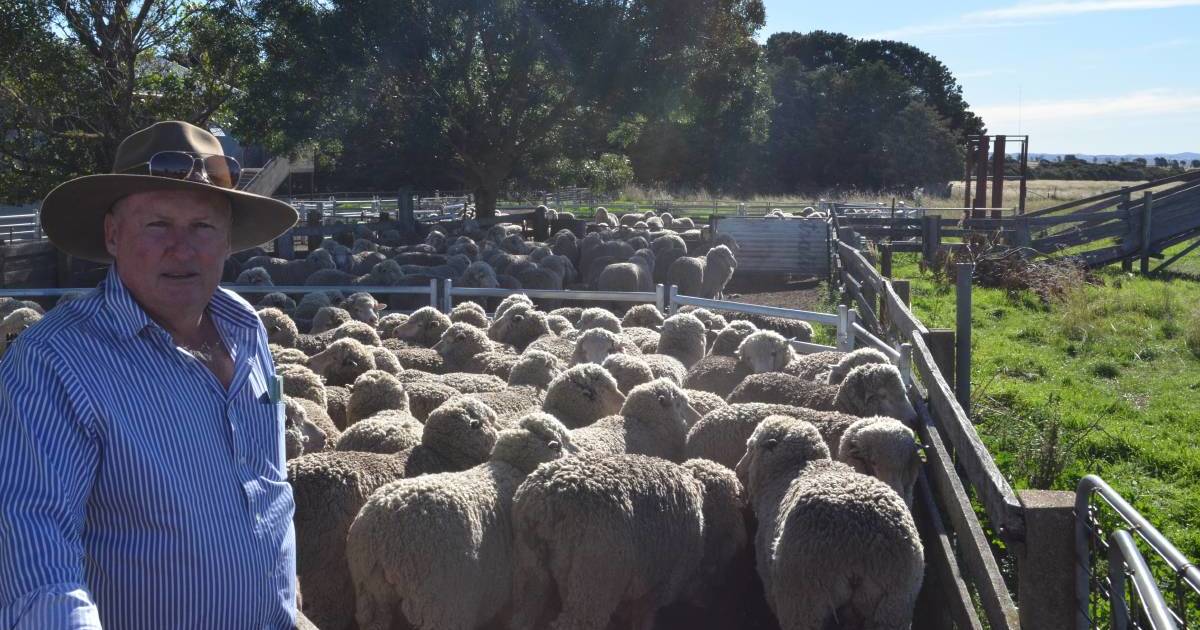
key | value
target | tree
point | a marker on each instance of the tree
(1195, 163)
(78, 77)
(503, 82)
(1161, 162)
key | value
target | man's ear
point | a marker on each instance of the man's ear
(111, 223)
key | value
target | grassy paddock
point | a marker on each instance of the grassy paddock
(1104, 380)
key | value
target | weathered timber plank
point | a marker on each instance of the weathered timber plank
(1188, 176)
(993, 489)
(901, 316)
(973, 544)
(1072, 238)
(953, 598)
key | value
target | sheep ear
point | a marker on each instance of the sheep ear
(662, 400)
(554, 445)
(460, 336)
(771, 443)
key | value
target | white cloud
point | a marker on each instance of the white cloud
(1134, 104)
(1025, 14)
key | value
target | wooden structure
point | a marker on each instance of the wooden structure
(980, 170)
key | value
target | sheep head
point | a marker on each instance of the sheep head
(538, 438)
(732, 336)
(518, 326)
(536, 369)
(862, 356)
(779, 449)
(658, 401)
(424, 327)
(462, 430)
(363, 307)
(280, 328)
(643, 315)
(342, 361)
(885, 449)
(460, 343)
(765, 351)
(598, 318)
(594, 345)
(875, 389)
(583, 394)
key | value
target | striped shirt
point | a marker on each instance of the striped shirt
(135, 490)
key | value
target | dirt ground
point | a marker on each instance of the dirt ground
(801, 293)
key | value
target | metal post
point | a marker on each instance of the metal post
(671, 307)
(905, 364)
(433, 292)
(962, 356)
(1122, 553)
(998, 174)
(447, 301)
(851, 319)
(843, 328)
(660, 299)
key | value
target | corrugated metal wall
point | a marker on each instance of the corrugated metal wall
(775, 245)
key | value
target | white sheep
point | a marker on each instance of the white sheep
(375, 391)
(683, 336)
(595, 535)
(868, 390)
(653, 421)
(583, 394)
(817, 517)
(462, 524)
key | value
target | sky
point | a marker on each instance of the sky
(1077, 76)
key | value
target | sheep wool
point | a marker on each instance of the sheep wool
(388, 431)
(373, 392)
(463, 520)
(604, 532)
(583, 394)
(653, 421)
(683, 336)
(818, 517)
(868, 390)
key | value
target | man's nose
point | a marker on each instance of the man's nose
(198, 174)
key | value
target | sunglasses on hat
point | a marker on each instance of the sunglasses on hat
(218, 170)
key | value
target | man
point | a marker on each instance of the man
(142, 473)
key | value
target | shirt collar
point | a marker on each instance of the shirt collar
(226, 307)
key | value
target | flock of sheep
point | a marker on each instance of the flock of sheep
(564, 467)
(570, 469)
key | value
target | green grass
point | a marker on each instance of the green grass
(1105, 380)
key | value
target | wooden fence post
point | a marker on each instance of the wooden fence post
(941, 346)
(1127, 207)
(1046, 560)
(1147, 210)
(962, 350)
(930, 237)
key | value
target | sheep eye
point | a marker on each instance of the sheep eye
(517, 318)
(475, 424)
(662, 400)
(771, 443)
(554, 446)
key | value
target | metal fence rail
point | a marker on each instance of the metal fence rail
(1094, 588)
(1124, 558)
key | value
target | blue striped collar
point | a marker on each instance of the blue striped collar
(129, 319)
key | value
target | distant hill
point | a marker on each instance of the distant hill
(1128, 157)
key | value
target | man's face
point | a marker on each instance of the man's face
(170, 248)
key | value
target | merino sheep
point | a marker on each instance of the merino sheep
(596, 344)
(667, 367)
(342, 362)
(329, 317)
(722, 433)
(363, 307)
(818, 517)
(583, 394)
(644, 316)
(255, 276)
(385, 432)
(704, 402)
(643, 339)
(630, 371)
(468, 383)
(518, 326)
(885, 449)
(277, 300)
(423, 328)
(683, 337)
(765, 351)
(416, 358)
(598, 318)
(301, 382)
(719, 265)
(597, 535)
(465, 348)
(463, 522)
(832, 366)
(868, 390)
(730, 337)
(469, 313)
(789, 328)
(559, 325)
(511, 403)
(15, 323)
(535, 368)
(375, 391)
(717, 374)
(653, 421)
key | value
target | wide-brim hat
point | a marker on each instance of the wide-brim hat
(73, 213)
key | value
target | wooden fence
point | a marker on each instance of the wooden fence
(1131, 224)
(959, 466)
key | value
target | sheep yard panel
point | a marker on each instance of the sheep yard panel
(772, 245)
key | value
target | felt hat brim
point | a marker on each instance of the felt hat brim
(72, 214)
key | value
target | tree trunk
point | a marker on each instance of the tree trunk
(486, 195)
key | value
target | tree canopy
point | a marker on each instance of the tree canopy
(494, 97)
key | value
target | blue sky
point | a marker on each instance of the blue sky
(1078, 76)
